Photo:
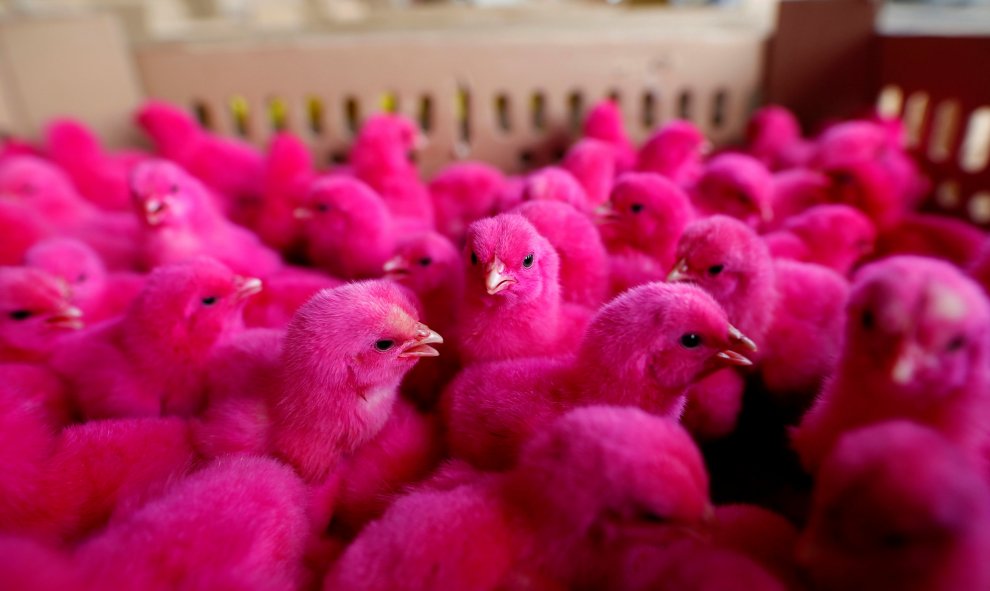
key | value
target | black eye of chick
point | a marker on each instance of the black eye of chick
(691, 340)
(322, 207)
(956, 343)
(528, 261)
(384, 344)
(867, 319)
(425, 261)
(636, 207)
(209, 301)
(474, 259)
(20, 314)
(715, 269)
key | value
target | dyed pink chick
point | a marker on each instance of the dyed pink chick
(674, 151)
(584, 264)
(100, 177)
(21, 227)
(555, 184)
(592, 163)
(789, 309)
(228, 166)
(932, 235)
(834, 236)
(151, 361)
(793, 192)
(30, 565)
(35, 314)
(462, 193)
(604, 123)
(644, 348)
(896, 506)
(285, 292)
(690, 565)
(738, 186)
(917, 347)
(347, 228)
(99, 294)
(180, 220)
(642, 224)
(773, 137)
(238, 524)
(288, 174)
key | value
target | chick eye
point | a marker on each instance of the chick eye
(322, 207)
(20, 314)
(474, 259)
(384, 344)
(956, 343)
(425, 261)
(209, 301)
(691, 340)
(867, 320)
(81, 278)
(715, 269)
(636, 207)
(528, 261)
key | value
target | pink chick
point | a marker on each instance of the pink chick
(100, 177)
(345, 353)
(761, 535)
(555, 184)
(690, 565)
(644, 348)
(641, 226)
(896, 506)
(512, 305)
(793, 192)
(289, 172)
(933, 235)
(713, 404)
(285, 291)
(231, 167)
(21, 227)
(738, 186)
(773, 136)
(833, 236)
(462, 193)
(604, 123)
(237, 524)
(917, 346)
(592, 163)
(347, 228)
(151, 360)
(179, 221)
(30, 565)
(674, 151)
(35, 314)
(99, 294)
(583, 260)
(46, 189)
(789, 309)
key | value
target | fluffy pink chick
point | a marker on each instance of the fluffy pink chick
(511, 306)
(180, 221)
(592, 163)
(583, 259)
(789, 309)
(46, 189)
(285, 291)
(932, 235)
(238, 524)
(462, 193)
(347, 228)
(151, 360)
(834, 236)
(29, 565)
(231, 167)
(604, 123)
(773, 136)
(896, 506)
(555, 184)
(674, 151)
(760, 534)
(288, 174)
(917, 346)
(35, 313)
(345, 353)
(644, 348)
(21, 227)
(690, 565)
(795, 191)
(736, 185)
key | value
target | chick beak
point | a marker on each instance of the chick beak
(154, 210)
(906, 364)
(247, 287)
(606, 214)
(396, 268)
(730, 355)
(680, 272)
(302, 213)
(496, 280)
(420, 347)
(738, 340)
(69, 317)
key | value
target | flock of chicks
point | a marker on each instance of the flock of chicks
(212, 373)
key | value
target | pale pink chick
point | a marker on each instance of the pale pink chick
(738, 186)
(645, 348)
(789, 309)
(793, 192)
(833, 236)
(347, 228)
(555, 184)
(674, 151)
(180, 221)
(642, 224)
(592, 163)
(773, 136)
(584, 268)
(604, 123)
(151, 361)
(933, 235)
(238, 524)
(896, 506)
(288, 174)
(462, 193)
(35, 313)
(917, 346)
(99, 294)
